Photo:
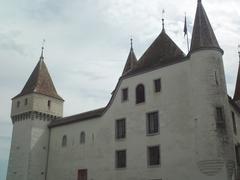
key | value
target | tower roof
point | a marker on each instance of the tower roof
(161, 51)
(237, 88)
(40, 82)
(131, 61)
(203, 36)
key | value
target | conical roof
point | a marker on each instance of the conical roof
(131, 62)
(203, 36)
(162, 51)
(40, 82)
(237, 88)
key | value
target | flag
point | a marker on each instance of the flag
(185, 26)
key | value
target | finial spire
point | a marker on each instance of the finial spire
(199, 1)
(163, 23)
(131, 41)
(41, 57)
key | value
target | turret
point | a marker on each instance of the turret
(32, 110)
(214, 150)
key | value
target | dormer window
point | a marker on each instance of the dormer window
(26, 102)
(49, 104)
(18, 104)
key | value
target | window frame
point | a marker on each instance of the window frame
(234, 122)
(117, 159)
(64, 141)
(152, 133)
(118, 135)
(156, 88)
(82, 137)
(18, 104)
(237, 154)
(148, 156)
(140, 94)
(220, 117)
(125, 98)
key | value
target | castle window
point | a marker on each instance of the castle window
(140, 94)
(49, 104)
(64, 141)
(26, 102)
(82, 137)
(120, 130)
(157, 85)
(237, 151)
(121, 159)
(124, 94)
(220, 119)
(18, 104)
(153, 155)
(152, 123)
(234, 123)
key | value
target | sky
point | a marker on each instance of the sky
(87, 44)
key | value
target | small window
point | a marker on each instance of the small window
(18, 104)
(64, 141)
(153, 155)
(157, 85)
(120, 129)
(234, 123)
(140, 94)
(237, 151)
(26, 102)
(121, 159)
(82, 137)
(220, 120)
(152, 123)
(49, 104)
(124, 94)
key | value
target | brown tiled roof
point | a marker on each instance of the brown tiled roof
(131, 62)
(161, 52)
(78, 117)
(203, 36)
(40, 82)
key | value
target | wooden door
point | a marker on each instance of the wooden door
(82, 174)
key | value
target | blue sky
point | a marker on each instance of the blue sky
(87, 43)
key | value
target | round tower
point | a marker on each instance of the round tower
(32, 110)
(214, 149)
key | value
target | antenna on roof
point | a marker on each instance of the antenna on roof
(43, 43)
(163, 23)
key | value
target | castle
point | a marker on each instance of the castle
(169, 118)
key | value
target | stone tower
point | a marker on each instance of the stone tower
(214, 149)
(32, 110)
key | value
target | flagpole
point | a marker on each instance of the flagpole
(186, 32)
(188, 43)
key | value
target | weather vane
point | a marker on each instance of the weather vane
(131, 41)
(43, 43)
(163, 16)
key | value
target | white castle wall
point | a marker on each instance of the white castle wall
(29, 149)
(188, 138)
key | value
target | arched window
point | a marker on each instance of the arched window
(64, 141)
(140, 94)
(82, 137)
